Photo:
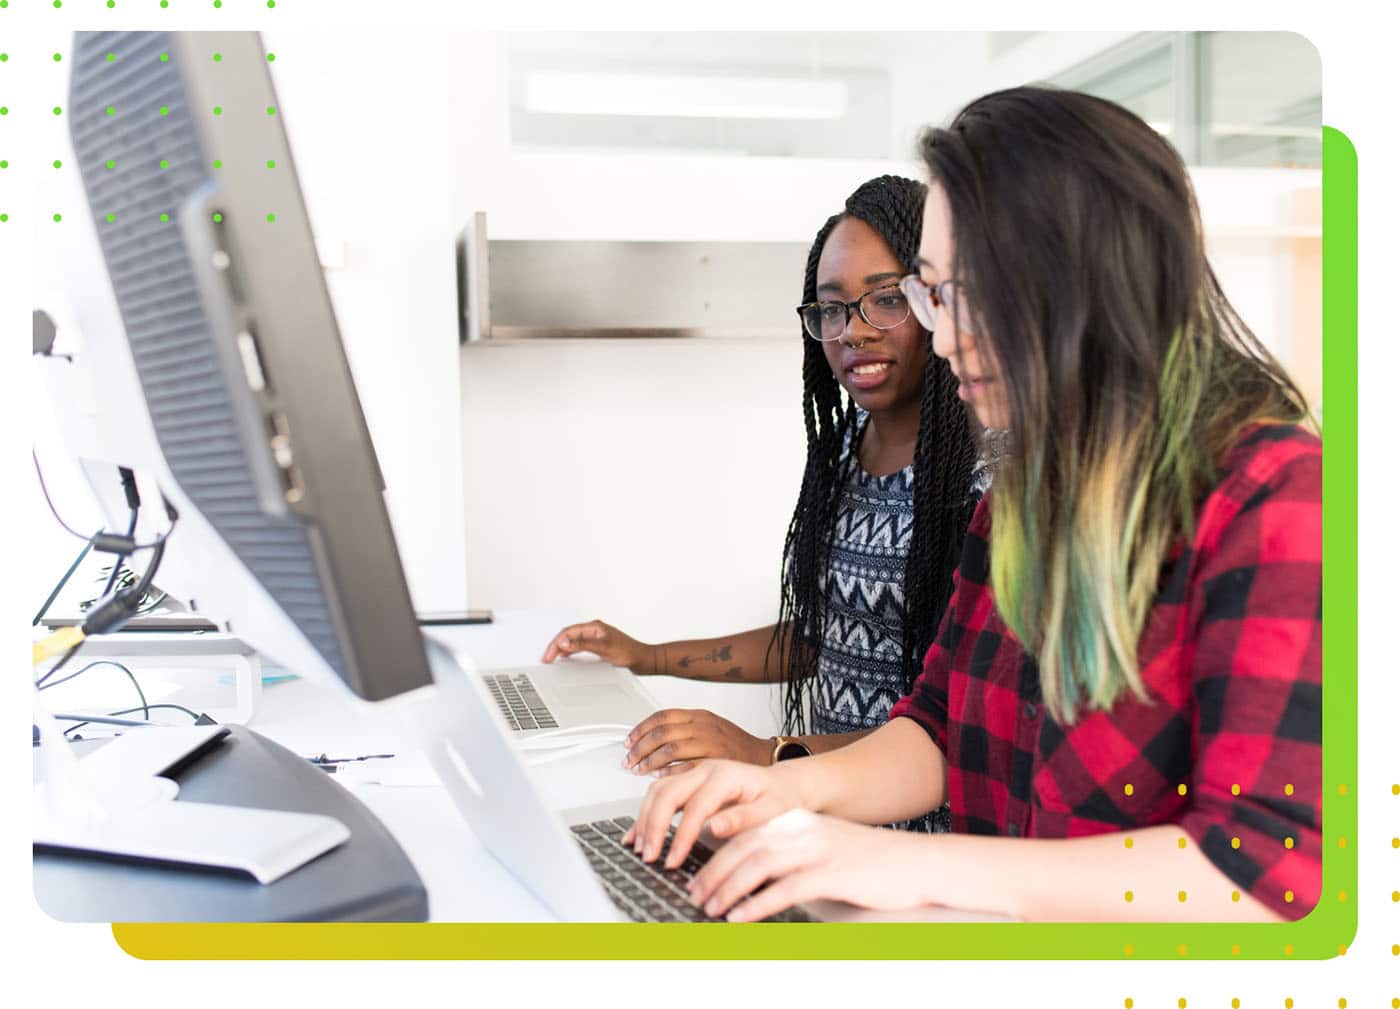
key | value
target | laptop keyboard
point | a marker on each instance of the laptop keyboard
(519, 701)
(645, 891)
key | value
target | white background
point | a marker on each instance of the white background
(53, 957)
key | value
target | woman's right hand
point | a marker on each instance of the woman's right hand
(604, 641)
(731, 797)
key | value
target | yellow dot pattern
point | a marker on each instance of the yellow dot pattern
(1127, 789)
(1127, 1003)
(1181, 842)
(1181, 896)
(1234, 789)
(1128, 896)
(1287, 789)
(1288, 1003)
(1235, 896)
(1128, 950)
(1235, 950)
(1234, 1003)
(1288, 843)
(1181, 950)
(1288, 896)
(1235, 842)
(1181, 1003)
(1180, 789)
(1127, 842)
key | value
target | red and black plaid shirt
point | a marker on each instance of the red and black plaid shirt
(1231, 656)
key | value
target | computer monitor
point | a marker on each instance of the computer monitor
(259, 438)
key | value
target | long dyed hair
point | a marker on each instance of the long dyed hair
(1128, 374)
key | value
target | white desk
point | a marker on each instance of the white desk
(464, 882)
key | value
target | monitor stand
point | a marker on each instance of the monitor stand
(119, 802)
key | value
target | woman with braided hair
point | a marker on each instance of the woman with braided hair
(887, 491)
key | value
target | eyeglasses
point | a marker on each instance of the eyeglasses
(926, 299)
(884, 308)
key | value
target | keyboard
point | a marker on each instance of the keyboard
(519, 701)
(646, 891)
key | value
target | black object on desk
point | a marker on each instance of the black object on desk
(368, 878)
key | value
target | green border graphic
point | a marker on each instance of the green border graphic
(1322, 934)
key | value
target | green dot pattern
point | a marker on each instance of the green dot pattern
(218, 110)
(164, 217)
(4, 164)
(111, 111)
(111, 57)
(218, 218)
(58, 57)
(57, 110)
(271, 217)
(271, 57)
(164, 110)
(111, 163)
(4, 217)
(57, 163)
(4, 57)
(165, 57)
(57, 218)
(111, 218)
(218, 57)
(218, 164)
(4, 111)
(272, 110)
(271, 163)
(164, 163)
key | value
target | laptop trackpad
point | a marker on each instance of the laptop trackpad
(603, 702)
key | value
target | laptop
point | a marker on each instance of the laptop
(573, 862)
(571, 695)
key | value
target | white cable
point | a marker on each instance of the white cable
(572, 751)
(533, 743)
(596, 727)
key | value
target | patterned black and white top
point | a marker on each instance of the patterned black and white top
(858, 669)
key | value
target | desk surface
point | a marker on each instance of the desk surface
(464, 882)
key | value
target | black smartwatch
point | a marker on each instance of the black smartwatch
(788, 749)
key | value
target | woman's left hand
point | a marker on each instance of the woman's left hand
(806, 856)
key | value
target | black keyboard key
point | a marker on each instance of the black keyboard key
(609, 828)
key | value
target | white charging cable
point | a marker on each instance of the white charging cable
(575, 735)
(562, 744)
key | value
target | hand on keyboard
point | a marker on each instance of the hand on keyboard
(646, 892)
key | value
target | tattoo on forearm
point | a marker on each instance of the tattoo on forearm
(722, 654)
(736, 673)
